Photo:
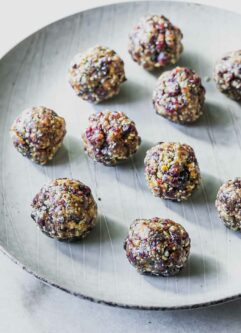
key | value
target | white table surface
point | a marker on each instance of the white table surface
(29, 306)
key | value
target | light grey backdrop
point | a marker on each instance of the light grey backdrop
(39, 301)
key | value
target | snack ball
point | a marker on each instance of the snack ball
(179, 95)
(227, 74)
(37, 133)
(96, 75)
(111, 137)
(157, 246)
(172, 170)
(155, 42)
(64, 209)
(228, 204)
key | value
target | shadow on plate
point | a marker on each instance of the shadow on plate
(187, 59)
(106, 230)
(194, 275)
(208, 190)
(60, 158)
(158, 71)
(129, 172)
(214, 125)
(205, 194)
(193, 60)
(136, 165)
(59, 166)
(130, 92)
(200, 207)
(198, 266)
(138, 157)
(101, 248)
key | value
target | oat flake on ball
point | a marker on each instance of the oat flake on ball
(157, 246)
(64, 209)
(227, 74)
(111, 137)
(228, 204)
(96, 75)
(37, 133)
(155, 42)
(179, 95)
(172, 170)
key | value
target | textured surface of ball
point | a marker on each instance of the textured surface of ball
(227, 75)
(64, 209)
(111, 137)
(179, 95)
(172, 170)
(228, 204)
(96, 75)
(37, 133)
(155, 42)
(157, 246)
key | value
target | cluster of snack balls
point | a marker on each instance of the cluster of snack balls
(66, 210)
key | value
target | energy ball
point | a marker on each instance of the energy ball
(37, 133)
(64, 209)
(111, 137)
(227, 74)
(172, 170)
(228, 204)
(179, 95)
(157, 246)
(155, 42)
(97, 74)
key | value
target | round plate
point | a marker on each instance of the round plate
(35, 73)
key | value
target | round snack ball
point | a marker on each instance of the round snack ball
(228, 204)
(179, 95)
(227, 74)
(157, 246)
(155, 42)
(37, 133)
(172, 170)
(111, 137)
(97, 74)
(64, 209)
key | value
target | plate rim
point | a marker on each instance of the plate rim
(49, 282)
(80, 295)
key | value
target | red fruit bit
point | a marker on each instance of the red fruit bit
(89, 132)
(161, 26)
(160, 45)
(159, 181)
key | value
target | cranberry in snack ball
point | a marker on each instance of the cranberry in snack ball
(155, 42)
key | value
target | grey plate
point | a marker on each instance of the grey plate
(34, 73)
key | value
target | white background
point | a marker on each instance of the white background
(19, 18)
(28, 306)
